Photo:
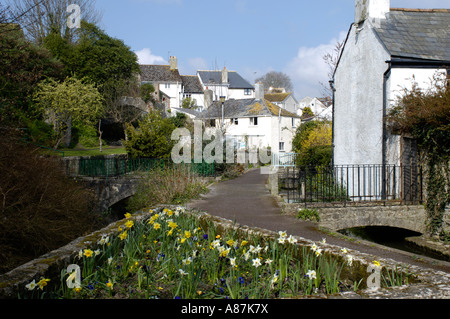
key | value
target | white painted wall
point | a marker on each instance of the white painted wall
(174, 92)
(359, 99)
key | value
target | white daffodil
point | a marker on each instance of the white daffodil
(291, 239)
(282, 234)
(233, 261)
(311, 274)
(182, 272)
(256, 262)
(344, 250)
(31, 285)
(349, 260)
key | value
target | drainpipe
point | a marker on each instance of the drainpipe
(386, 77)
(333, 89)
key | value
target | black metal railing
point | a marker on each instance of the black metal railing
(352, 183)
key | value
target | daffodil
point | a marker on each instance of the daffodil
(88, 253)
(318, 252)
(187, 234)
(230, 242)
(127, 215)
(256, 262)
(156, 226)
(42, 283)
(109, 284)
(172, 225)
(244, 243)
(376, 263)
(233, 261)
(349, 260)
(123, 235)
(182, 272)
(282, 234)
(314, 247)
(311, 274)
(31, 285)
(291, 239)
(344, 250)
(129, 224)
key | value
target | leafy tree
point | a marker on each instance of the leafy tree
(71, 100)
(313, 142)
(152, 138)
(22, 66)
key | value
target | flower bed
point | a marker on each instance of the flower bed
(173, 254)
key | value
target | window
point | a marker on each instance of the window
(167, 85)
(247, 91)
(236, 121)
(293, 122)
(281, 146)
(253, 121)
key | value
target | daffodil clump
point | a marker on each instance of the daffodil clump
(177, 255)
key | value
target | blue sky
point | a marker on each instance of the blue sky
(251, 37)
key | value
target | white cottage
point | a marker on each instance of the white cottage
(385, 50)
(254, 123)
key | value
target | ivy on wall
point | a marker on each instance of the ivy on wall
(425, 116)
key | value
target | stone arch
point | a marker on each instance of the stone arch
(408, 217)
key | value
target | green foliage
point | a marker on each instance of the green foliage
(308, 214)
(86, 135)
(424, 115)
(147, 91)
(175, 185)
(152, 138)
(66, 102)
(22, 66)
(313, 142)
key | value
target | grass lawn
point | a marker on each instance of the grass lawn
(79, 150)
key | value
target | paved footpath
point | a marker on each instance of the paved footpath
(247, 201)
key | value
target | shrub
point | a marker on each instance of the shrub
(175, 185)
(41, 209)
(308, 214)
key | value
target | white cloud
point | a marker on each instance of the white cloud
(145, 56)
(308, 68)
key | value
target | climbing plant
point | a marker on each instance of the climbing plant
(425, 116)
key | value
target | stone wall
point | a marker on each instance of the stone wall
(429, 284)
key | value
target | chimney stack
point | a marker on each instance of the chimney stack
(371, 9)
(224, 75)
(173, 62)
(259, 91)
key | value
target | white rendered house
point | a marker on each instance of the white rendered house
(385, 51)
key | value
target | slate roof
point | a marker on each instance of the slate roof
(159, 73)
(235, 80)
(417, 34)
(191, 84)
(244, 108)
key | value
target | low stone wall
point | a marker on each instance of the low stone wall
(430, 284)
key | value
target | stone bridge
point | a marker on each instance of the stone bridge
(109, 191)
(402, 216)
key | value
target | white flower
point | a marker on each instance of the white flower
(311, 274)
(103, 240)
(187, 261)
(344, 250)
(318, 252)
(182, 272)
(110, 259)
(31, 285)
(268, 261)
(324, 240)
(247, 255)
(216, 243)
(291, 239)
(314, 247)
(256, 262)
(281, 240)
(282, 234)
(233, 261)
(97, 252)
(255, 250)
(349, 260)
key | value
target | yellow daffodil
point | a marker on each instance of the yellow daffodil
(187, 234)
(244, 242)
(129, 224)
(88, 253)
(109, 284)
(173, 225)
(156, 226)
(42, 283)
(127, 215)
(376, 263)
(230, 242)
(123, 235)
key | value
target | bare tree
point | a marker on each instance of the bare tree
(331, 59)
(276, 80)
(39, 17)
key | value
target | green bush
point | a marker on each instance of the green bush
(308, 214)
(316, 156)
(175, 185)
